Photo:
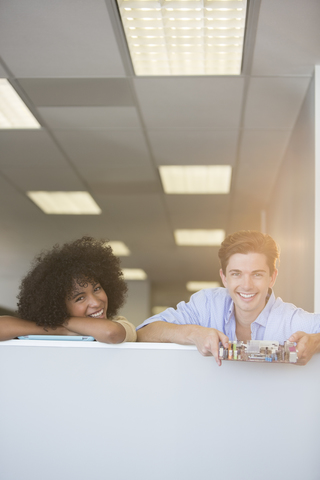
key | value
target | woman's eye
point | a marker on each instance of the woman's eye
(78, 299)
(97, 288)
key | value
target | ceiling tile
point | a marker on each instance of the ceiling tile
(194, 147)
(72, 38)
(197, 102)
(132, 186)
(44, 178)
(274, 102)
(288, 38)
(89, 117)
(78, 92)
(29, 148)
(129, 210)
(198, 211)
(100, 174)
(115, 148)
(3, 72)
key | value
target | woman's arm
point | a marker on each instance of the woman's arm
(12, 327)
(103, 330)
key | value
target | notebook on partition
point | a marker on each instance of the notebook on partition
(78, 338)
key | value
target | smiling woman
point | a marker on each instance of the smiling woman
(75, 289)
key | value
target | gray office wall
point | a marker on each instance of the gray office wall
(137, 306)
(291, 212)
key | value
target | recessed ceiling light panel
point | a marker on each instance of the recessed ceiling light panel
(119, 249)
(199, 237)
(196, 286)
(65, 203)
(196, 179)
(134, 274)
(13, 111)
(181, 37)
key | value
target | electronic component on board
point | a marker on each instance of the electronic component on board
(259, 351)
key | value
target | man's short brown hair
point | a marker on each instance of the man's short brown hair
(249, 241)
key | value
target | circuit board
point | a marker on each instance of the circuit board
(259, 351)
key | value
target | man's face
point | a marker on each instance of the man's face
(247, 279)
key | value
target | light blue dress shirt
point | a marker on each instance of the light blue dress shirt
(214, 308)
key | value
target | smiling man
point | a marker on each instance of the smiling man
(245, 309)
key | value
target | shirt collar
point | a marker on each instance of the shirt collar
(264, 315)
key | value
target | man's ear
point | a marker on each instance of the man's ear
(223, 278)
(273, 278)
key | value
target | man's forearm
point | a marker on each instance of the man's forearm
(205, 339)
(164, 332)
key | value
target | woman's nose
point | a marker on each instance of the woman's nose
(93, 300)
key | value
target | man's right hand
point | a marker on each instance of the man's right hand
(207, 341)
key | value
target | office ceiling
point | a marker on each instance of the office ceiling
(106, 131)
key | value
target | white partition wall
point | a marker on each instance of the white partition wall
(153, 412)
(317, 193)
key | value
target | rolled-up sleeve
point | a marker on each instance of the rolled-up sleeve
(131, 334)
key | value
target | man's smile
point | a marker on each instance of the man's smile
(246, 295)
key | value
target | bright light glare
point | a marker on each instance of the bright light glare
(196, 286)
(134, 274)
(199, 237)
(196, 179)
(181, 16)
(119, 249)
(13, 111)
(65, 203)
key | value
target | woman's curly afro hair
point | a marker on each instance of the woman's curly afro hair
(51, 280)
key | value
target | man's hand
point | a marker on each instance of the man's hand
(207, 341)
(307, 345)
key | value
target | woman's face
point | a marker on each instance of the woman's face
(88, 300)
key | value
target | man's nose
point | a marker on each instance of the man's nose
(247, 282)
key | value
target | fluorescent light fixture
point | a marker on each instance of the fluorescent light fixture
(158, 309)
(199, 237)
(196, 179)
(183, 37)
(196, 286)
(65, 203)
(119, 248)
(134, 274)
(13, 112)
